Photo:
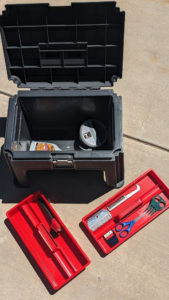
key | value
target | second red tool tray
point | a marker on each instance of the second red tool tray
(137, 208)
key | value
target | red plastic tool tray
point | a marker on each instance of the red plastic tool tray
(150, 186)
(60, 258)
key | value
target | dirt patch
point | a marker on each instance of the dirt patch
(154, 58)
(163, 70)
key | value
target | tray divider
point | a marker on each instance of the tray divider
(47, 32)
(105, 44)
(75, 12)
(20, 45)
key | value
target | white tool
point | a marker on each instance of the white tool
(103, 216)
(99, 219)
(122, 199)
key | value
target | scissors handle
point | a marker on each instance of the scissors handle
(124, 231)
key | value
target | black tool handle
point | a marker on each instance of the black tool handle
(42, 204)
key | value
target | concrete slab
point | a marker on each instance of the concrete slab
(138, 269)
(144, 86)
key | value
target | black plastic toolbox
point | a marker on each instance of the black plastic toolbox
(64, 55)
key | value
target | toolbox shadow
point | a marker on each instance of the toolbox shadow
(2, 126)
(30, 258)
(64, 186)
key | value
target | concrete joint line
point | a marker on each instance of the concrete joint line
(6, 94)
(145, 142)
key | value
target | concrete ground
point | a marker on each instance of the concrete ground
(139, 268)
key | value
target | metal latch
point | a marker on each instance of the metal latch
(62, 162)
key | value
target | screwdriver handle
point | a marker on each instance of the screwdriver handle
(116, 203)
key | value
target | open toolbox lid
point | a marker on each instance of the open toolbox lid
(64, 46)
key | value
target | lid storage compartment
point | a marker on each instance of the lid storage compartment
(76, 44)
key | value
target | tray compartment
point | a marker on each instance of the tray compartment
(150, 186)
(53, 264)
(15, 57)
(19, 73)
(91, 13)
(12, 37)
(32, 36)
(31, 57)
(28, 17)
(61, 15)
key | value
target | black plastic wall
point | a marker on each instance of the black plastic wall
(81, 43)
(109, 160)
(57, 118)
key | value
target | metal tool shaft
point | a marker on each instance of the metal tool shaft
(122, 199)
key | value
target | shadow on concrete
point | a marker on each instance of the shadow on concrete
(58, 186)
(62, 186)
(32, 260)
(29, 257)
(2, 126)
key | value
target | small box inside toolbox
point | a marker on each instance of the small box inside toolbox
(60, 258)
(150, 185)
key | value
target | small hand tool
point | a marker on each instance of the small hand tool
(111, 237)
(126, 231)
(55, 227)
(152, 208)
(103, 216)
(122, 199)
(155, 206)
(100, 218)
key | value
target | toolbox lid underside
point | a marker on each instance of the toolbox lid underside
(63, 46)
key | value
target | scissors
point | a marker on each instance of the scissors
(126, 231)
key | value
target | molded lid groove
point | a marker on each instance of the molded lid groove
(81, 44)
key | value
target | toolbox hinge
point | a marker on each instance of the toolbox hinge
(42, 88)
(77, 88)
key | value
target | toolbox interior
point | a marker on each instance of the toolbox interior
(58, 120)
